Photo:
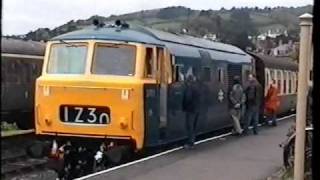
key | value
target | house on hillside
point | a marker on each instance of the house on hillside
(209, 36)
(283, 49)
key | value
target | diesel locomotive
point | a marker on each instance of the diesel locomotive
(105, 88)
(21, 64)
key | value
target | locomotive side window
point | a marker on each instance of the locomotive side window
(149, 63)
(220, 75)
(178, 73)
(67, 59)
(111, 59)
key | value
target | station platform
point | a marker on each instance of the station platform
(251, 157)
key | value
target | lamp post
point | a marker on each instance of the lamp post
(304, 57)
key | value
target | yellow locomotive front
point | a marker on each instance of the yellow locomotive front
(91, 89)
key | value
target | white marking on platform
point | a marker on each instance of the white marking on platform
(164, 153)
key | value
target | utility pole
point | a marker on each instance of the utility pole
(304, 57)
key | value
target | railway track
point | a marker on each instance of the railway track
(14, 158)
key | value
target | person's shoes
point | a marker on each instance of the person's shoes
(191, 146)
(244, 133)
(234, 133)
(255, 132)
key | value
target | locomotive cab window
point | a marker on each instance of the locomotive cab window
(149, 63)
(112, 59)
(67, 59)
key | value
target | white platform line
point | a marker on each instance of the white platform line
(164, 153)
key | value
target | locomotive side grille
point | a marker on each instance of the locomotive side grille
(233, 70)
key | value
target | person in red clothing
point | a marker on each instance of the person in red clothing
(272, 103)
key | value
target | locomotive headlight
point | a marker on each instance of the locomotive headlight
(123, 123)
(124, 94)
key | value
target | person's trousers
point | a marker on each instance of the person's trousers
(252, 116)
(191, 121)
(236, 116)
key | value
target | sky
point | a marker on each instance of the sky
(22, 16)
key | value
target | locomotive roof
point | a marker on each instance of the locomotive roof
(15, 46)
(277, 62)
(149, 36)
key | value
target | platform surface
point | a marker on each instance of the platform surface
(251, 157)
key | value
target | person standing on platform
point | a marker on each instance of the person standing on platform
(272, 103)
(189, 105)
(253, 93)
(236, 100)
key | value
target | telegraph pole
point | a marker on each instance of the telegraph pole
(304, 57)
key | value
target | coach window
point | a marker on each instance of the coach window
(293, 82)
(272, 74)
(28, 72)
(284, 82)
(290, 82)
(3, 71)
(16, 66)
(279, 78)
(148, 72)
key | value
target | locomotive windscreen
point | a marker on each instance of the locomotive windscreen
(67, 59)
(114, 60)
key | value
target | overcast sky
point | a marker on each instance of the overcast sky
(21, 16)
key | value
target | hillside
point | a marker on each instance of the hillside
(248, 21)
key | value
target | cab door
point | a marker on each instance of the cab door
(163, 78)
(155, 100)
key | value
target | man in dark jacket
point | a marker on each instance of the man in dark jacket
(236, 101)
(254, 94)
(189, 104)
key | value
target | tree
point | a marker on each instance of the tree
(237, 29)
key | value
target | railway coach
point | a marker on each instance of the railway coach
(106, 88)
(285, 72)
(21, 64)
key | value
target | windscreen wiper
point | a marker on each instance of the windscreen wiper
(69, 44)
